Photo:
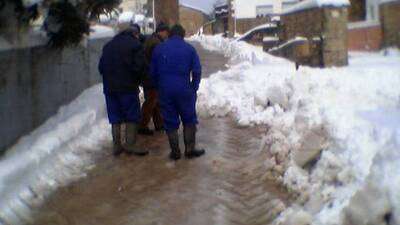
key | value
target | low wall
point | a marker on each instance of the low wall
(36, 81)
(365, 38)
(390, 20)
(327, 25)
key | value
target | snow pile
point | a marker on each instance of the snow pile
(258, 28)
(100, 31)
(52, 155)
(324, 141)
(126, 17)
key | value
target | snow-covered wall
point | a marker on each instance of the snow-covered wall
(35, 81)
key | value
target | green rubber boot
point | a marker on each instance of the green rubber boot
(189, 134)
(129, 136)
(116, 134)
(173, 139)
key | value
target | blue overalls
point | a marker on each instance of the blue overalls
(122, 66)
(176, 72)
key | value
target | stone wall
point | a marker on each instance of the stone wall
(327, 25)
(390, 21)
(167, 11)
(36, 81)
(208, 28)
(191, 19)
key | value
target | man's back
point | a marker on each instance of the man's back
(173, 61)
(122, 64)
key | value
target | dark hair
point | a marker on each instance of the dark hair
(137, 26)
(178, 30)
(162, 27)
(131, 30)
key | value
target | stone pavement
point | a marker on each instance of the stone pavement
(227, 186)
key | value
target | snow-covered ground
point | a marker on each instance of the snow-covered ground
(334, 136)
(56, 153)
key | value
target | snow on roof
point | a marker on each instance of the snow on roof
(126, 17)
(193, 7)
(309, 4)
(220, 3)
(263, 26)
(205, 6)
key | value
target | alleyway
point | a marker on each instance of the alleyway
(226, 186)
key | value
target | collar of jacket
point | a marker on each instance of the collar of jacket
(176, 37)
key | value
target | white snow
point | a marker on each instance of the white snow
(126, 17)
(260, 27)
(363, 24)
(309, 4)
(205, 6)
(334, 133)
(54, 154)
(100, 31)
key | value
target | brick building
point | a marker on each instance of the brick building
(192, 19)
(374, 24)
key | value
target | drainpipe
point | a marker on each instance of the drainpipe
(154, 17)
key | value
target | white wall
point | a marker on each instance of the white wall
(372, 8)
(247, 8)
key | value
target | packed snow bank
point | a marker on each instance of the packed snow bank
(54, 154)
(329, 139)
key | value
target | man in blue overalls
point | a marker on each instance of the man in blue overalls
(176, 72)
(122, 66)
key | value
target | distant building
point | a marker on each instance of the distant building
(240, 16)
(250, 9)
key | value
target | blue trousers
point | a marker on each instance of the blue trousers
(177, 106)
(123, 107)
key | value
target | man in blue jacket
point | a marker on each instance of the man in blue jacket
(122, 66)
(176, 72)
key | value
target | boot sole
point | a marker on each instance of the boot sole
(137, 153)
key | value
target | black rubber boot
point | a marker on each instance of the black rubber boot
(189, 134)
(173, 139)
(129, 134)
(116, 134)
(145, 131)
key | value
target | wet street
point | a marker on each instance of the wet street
(227, 186)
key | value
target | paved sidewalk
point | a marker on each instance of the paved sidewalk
(227, 186)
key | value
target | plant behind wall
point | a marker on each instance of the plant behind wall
(66, 21)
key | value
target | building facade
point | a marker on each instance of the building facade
(373, 24)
